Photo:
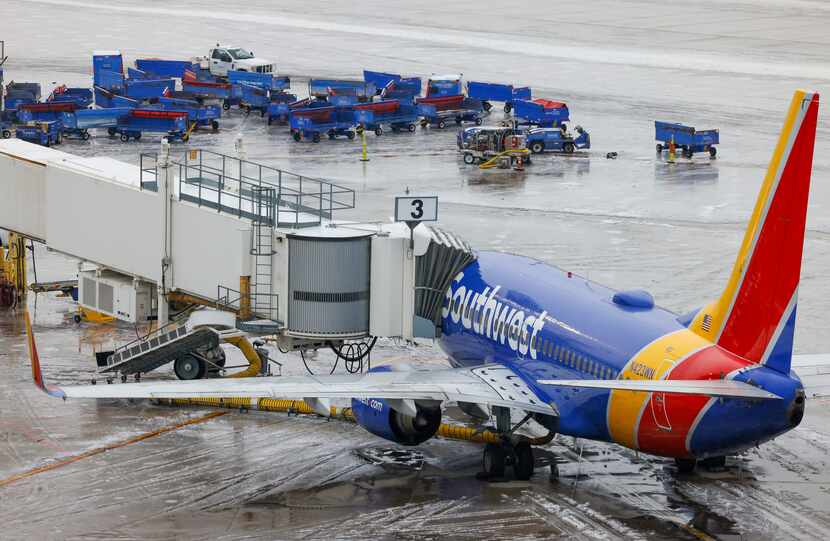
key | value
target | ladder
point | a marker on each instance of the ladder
(262, 248)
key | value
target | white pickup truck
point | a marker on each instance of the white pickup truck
(221, 60)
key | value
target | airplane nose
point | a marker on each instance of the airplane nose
(795, 411)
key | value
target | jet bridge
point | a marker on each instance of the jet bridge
(239, 236)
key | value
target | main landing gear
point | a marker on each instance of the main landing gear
(513, 451)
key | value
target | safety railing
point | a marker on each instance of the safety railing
(230, 300)
(149, 171)
(231, 185)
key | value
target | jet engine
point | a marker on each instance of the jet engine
(376, 416)
(379, 417)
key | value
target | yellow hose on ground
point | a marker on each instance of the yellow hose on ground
(251, 355)
(451, 432)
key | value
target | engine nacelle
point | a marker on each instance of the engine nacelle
(375, 415)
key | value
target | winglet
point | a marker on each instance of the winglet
(37, 373)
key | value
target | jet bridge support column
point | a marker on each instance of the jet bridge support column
(165, 200)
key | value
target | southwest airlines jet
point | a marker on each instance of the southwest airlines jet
(585, 360)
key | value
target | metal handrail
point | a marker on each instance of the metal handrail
(223, 301)
(152, 334)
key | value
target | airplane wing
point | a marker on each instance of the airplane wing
(814, 371)
(487, 385)
(707, 387)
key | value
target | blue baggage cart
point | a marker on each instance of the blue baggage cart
(311, 123)
(686, 138)
(204, 115)
(557, 140)
(392, 113)
(139, 121)
(159, 68)
(81, 97)
(281, 105)
(540, 112)
(380, 79)
(43, 112)
(208, 90)
(267, 81)
(78, 123)
(107, 67)
(439, 111)
(444, 85)
(253, 98)
(488, 92)
(324, 88)
(41, 133)
(106, 99)
(18, 94)
(141, 89)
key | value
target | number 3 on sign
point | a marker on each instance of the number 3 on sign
(416, 209)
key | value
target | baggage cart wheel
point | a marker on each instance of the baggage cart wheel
(507, 108)
(411, 127)
(568, 148)
(688, 153)
(296, 135)
(458, 120)
(188, 368)
(6, 134)
(424, 123)
(378, 131)
(226, 105)
(478, 121)
(441, 124)
(469, 159)
(111, 131)
(214, 124)
(124, 137)
(486, 105)
(331, 134)
(137, 136)
(537, 147)
(316, 138)
(85, 135)
(350, 134)
(713, 152)
(659, 148)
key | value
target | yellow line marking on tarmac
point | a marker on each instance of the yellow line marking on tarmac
(97, 451)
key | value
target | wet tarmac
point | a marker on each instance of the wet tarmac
(631, 222)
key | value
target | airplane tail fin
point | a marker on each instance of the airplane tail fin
(755, 315)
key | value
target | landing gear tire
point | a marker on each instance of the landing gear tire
(523, 465)
(714, 463)
(188, 368)
(685, 465)
(494, 460)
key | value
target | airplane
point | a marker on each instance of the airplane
(584, 360)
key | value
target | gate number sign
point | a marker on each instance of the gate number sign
(416, 209)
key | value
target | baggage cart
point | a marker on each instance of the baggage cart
(78, 123)
(324, 88)
(392, 113)
(203, 115)
(139, 121)
(540, 112)
(106, 99)
(43, 112)
(439, 111)
(685, 138)
(282, 103)
(165, 68)
(311, 123)
(490, 92)
(81, 97)
(444, 85)
(206, 90)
